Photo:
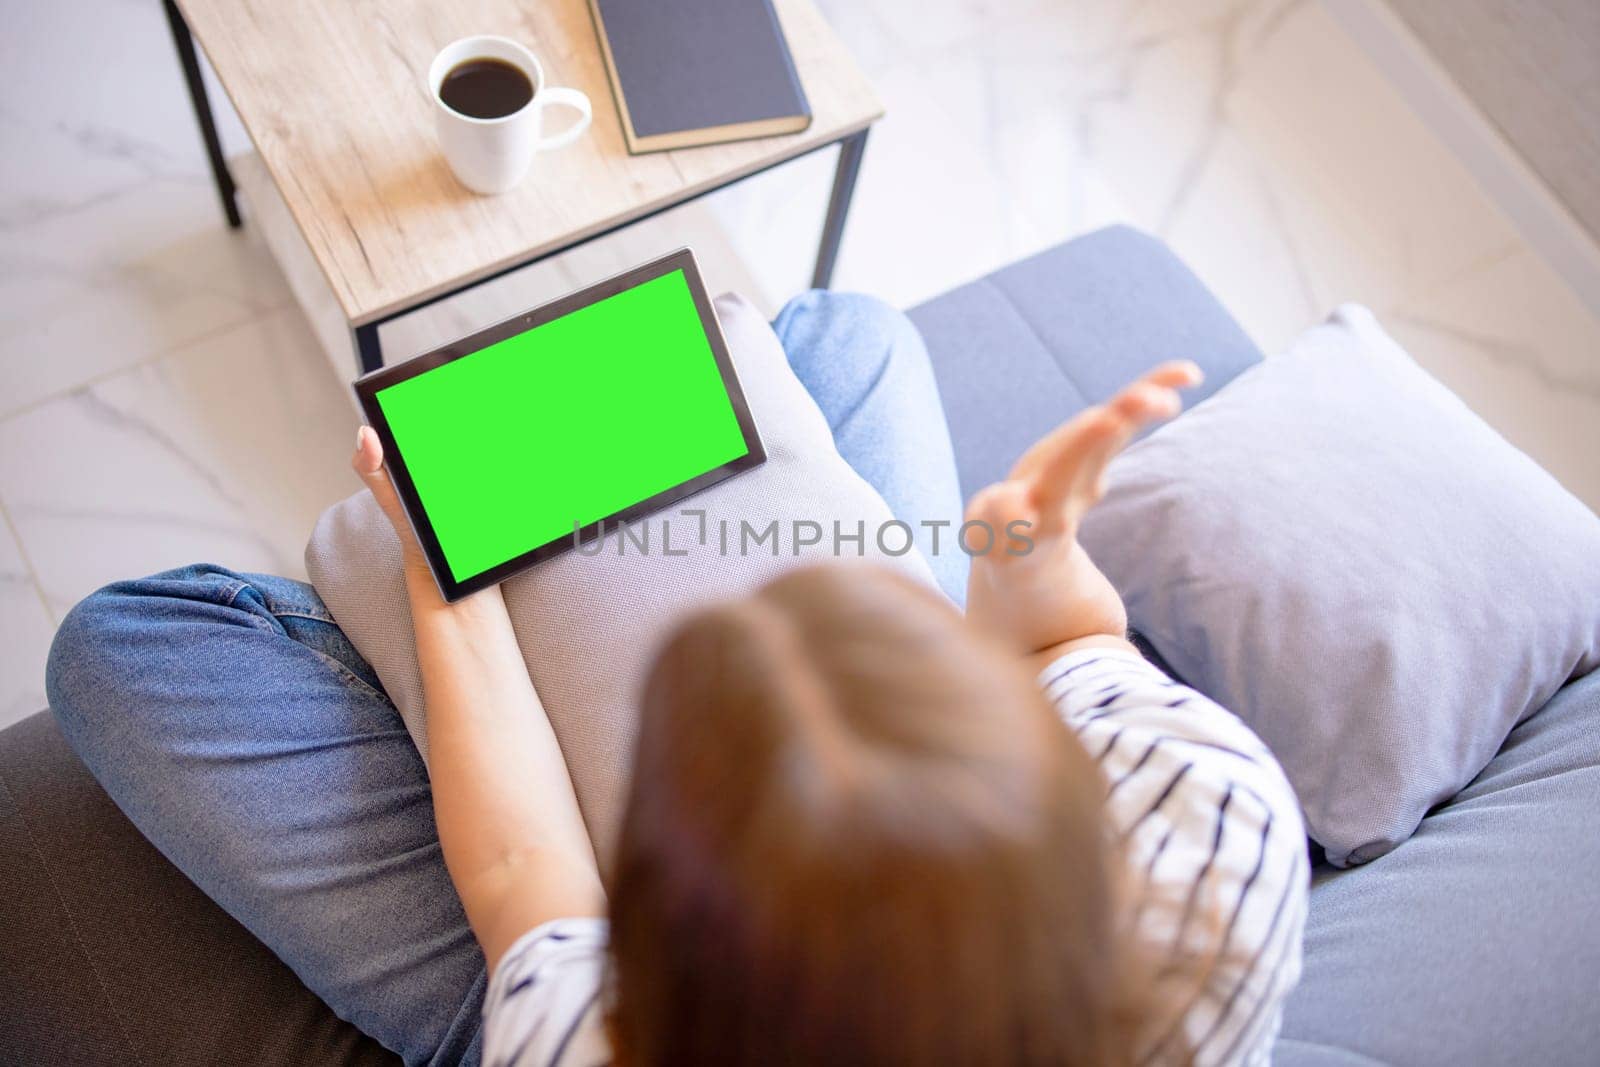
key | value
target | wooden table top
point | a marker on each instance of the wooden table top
(334, 97)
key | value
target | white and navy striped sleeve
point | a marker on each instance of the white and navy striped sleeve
(1216, 846)
(543, 1006)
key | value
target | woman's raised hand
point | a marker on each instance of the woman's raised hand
(1052, 592)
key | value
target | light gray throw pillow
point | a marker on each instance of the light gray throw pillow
(1336, 548)
(588, 625)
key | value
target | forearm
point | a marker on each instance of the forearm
(509, 824)
(513, 838)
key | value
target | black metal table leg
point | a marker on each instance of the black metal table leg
(202, 112)
(844, 184)
(369, 353)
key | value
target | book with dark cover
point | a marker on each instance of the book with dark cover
(694, 72)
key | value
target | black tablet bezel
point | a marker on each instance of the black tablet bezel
(368, 385)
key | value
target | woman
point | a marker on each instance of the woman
(862, 828)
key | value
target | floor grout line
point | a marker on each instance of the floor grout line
(144, 361)
(27, 562)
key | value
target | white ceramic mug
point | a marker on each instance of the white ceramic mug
(493, 155)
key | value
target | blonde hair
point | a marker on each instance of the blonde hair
(858, 833)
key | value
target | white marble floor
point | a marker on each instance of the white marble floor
(162, 400)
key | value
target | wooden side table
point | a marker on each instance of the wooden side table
(333, 96)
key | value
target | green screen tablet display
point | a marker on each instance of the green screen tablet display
(572, 421)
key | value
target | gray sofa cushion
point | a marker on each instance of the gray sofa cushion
(1478, 940)
(1338, 550)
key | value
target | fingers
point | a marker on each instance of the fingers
(1066, 470)
(368, 457)
(1130, 411)
(1000, 503)
(1175, 374)
(367, 462)
(1069, 484)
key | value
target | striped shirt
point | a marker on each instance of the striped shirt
(1215, 845)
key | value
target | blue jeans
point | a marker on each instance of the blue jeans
(232, 720)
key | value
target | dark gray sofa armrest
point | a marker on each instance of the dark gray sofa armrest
(109, 955)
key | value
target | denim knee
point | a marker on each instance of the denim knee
(102, 646)
(82, 655)
(826, 322)
(842, 345)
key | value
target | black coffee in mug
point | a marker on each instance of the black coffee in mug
(484, 88)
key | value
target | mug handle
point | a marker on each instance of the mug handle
(575, 99)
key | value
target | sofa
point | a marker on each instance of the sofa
(1473, 942)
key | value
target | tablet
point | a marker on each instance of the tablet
(541, 432)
